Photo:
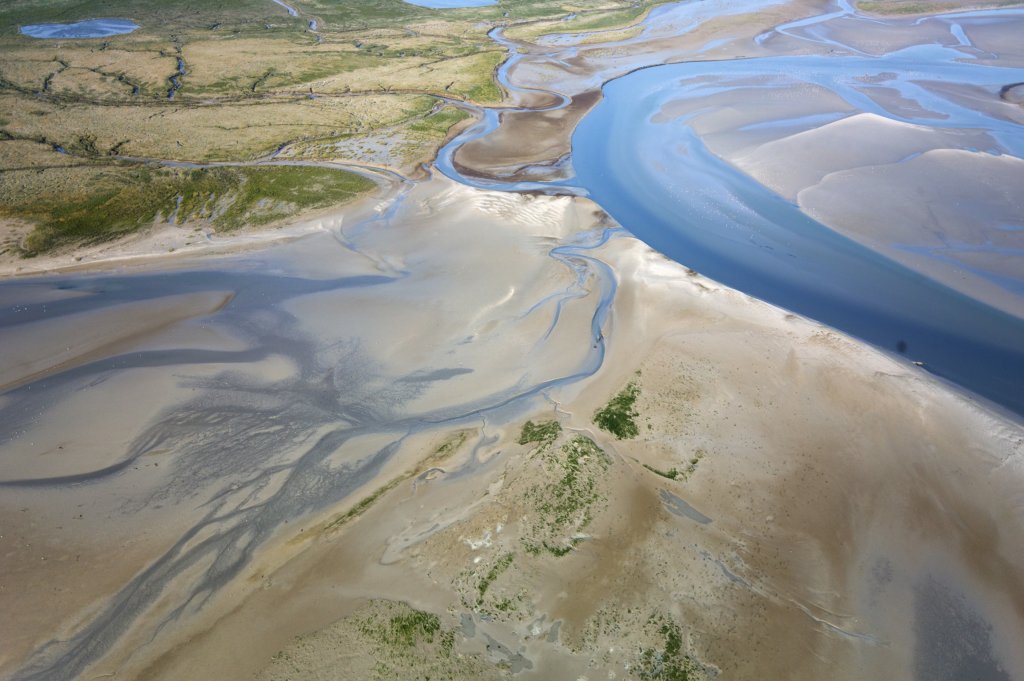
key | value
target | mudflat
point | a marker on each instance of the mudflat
(469, 433)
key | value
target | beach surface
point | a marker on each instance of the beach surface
(472, 433)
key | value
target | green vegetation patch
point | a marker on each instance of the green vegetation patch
(89, 205)
(384, 640)
(437, 125)
(618, 416)
(483, 590)
(564, 507)
(667, 660)
(677, 474)
(485, 88)
(407, 629)
(496, 570)
(543, 433)
(445, 450)
(365, 503)
(671, 473)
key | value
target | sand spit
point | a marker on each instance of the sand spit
(794, 505)
(794, 163)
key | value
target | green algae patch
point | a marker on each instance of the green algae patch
(382, 640)
(543, 433)
(684, 473)
(618, 417)
(667, 661)
(496, 570)
(671, 473)
(564, 507)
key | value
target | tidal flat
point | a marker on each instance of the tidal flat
(468, 420)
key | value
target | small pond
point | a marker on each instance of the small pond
(90, 28)
(451, 4)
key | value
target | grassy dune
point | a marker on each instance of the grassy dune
(89, 204)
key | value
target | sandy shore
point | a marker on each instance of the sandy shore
(836, 494)
(293, 461)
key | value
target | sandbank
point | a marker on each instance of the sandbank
(341, 439)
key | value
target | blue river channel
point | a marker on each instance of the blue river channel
(657, 179)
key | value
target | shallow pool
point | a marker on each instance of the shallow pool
(451, 4)
(89, 28)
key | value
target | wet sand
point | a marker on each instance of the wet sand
(814, 558)
(184, 469)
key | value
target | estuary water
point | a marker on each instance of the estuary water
(658, 180)
(297, 389)
(654, 175)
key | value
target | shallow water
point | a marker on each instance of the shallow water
(451, 4)
(660, 182)
(656, 178)
(90, 28)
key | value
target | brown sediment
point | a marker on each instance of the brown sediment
(524, 139)
(1013, 93)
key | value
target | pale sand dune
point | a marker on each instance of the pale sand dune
(791, 164)
(943, 207)
(731, 124)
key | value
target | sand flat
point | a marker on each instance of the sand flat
(966, 205)
(794, 163)
(808, 445)
(343, 446)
